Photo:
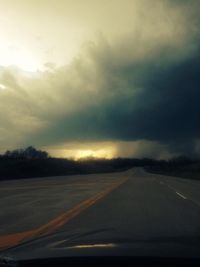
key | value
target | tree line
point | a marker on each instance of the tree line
(25, 153)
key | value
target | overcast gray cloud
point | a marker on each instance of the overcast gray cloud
(137, 89)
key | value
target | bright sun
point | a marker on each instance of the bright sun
(19, 58)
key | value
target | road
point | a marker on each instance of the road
(136, 203)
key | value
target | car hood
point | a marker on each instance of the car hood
(105, 242)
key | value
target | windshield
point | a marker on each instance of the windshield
(99, 128)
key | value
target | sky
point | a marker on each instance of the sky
(109, 78)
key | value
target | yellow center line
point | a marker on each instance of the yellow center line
(10, 240)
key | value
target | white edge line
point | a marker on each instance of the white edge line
(181, 195)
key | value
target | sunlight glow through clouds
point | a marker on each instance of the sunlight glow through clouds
(88, 153)
(109, 150)
(18, 57)
(106, 150)
(2, 87)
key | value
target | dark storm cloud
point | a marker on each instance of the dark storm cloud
(144, 85)
(161, 103)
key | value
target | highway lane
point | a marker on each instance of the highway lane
(133, 205)
(146, 207)
(31, 207)
(185, 188)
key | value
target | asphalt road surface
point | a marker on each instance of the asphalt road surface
(137, 204)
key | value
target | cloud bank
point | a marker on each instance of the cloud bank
(139, 88)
